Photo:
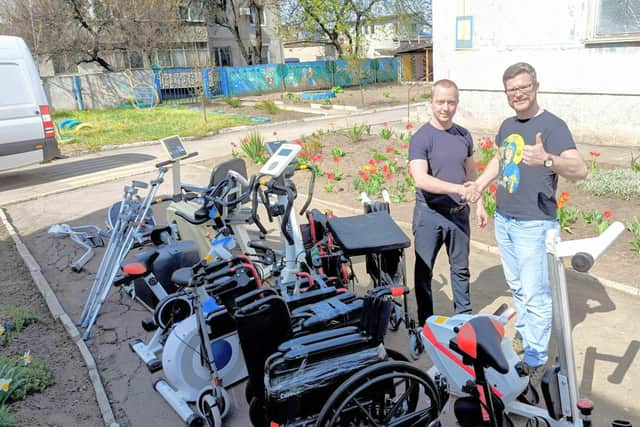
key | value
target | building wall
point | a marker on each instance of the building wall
(222, 37)
(594, 87)
(311, 53)
(382, 37)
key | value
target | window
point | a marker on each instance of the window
(615, 21)
(253, 18)
(62, 64)
(192, 11)
(222, 56)
(265, 55)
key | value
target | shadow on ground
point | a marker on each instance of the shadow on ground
(55, 172)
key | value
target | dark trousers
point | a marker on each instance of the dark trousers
(431, 230)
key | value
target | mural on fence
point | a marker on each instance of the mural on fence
(387, 70)
(308, 75)
(106, 90)
(254, 79)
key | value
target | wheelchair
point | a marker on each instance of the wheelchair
(376, 236)
(336, 377)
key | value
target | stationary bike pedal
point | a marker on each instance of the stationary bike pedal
(529, 396)
(470, 388)
(96, 241)
(149, 325)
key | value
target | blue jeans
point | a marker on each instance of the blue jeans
(524, 260)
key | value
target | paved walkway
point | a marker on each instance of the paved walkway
(607, 343)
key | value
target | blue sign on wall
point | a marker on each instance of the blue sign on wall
(464, 32)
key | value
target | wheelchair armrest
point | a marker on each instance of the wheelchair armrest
(315, 337)
(192, 188)
(250, 297)
(310, 297)
(354, 341)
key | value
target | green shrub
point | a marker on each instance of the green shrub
(14, 319)
(26, 377)
(6, 419)
(232, 102)
(254, 148)
(356, 132)
(268, 106)
(620, 182)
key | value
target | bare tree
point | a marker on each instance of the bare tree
(89, 31)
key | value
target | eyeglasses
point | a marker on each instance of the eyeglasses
(524, 89)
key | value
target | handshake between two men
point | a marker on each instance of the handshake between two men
(470, 192)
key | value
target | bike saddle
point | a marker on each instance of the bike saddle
(182, 276)
(480, 340)
(141, 264)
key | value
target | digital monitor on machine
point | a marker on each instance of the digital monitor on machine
(174, 148)
(278, 162)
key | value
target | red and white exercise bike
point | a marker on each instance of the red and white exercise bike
(473, 359)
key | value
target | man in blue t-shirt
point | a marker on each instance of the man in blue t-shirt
(441, 161)
(534, 148)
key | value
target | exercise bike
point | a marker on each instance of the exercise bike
(475, 363)
(202, 354)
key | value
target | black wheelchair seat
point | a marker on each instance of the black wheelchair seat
(366, 234)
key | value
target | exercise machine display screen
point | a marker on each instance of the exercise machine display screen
(280, 159)
(174, 148)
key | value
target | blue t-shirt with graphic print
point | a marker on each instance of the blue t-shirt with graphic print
(446, 152)
(529, 192)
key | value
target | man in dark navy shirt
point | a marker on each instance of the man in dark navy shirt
(441, 161)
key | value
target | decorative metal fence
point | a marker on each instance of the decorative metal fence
(187, 84)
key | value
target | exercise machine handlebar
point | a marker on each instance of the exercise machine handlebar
(584, 252)
(170, 161)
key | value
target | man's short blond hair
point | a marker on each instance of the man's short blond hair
(445, 83)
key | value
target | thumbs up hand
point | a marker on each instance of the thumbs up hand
(534, 155)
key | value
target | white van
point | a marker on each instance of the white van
(26, 129)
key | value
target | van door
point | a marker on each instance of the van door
(21, 130)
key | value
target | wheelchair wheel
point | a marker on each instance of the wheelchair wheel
(387, 393)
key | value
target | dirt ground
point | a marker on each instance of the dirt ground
(71, 400)
(370, 96)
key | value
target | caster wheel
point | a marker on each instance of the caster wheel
(257, 413)
(396, 318)
(211, 411)
(415, 345)
(248, 391)
(224, 405)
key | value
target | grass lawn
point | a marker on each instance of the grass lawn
(121, 126)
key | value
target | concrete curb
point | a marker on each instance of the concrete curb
(58, 313)
(630, 290)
